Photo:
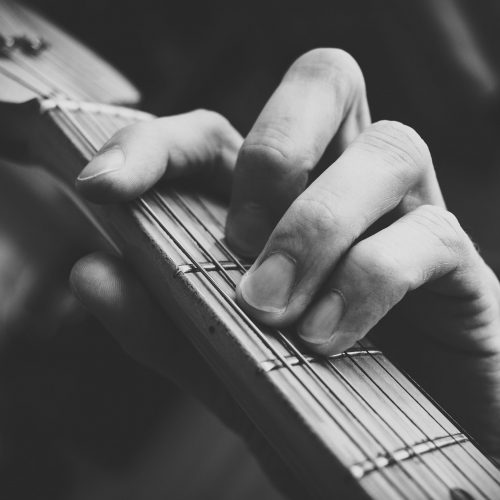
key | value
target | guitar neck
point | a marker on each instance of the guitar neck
(350, 426)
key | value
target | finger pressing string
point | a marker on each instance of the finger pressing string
(321, 98)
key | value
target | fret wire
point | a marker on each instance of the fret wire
(410, 419)
(362, 469)
(208, 266)
(228, 251)
(275, 365)
(398, 382)
(304, 360)
(141, 202)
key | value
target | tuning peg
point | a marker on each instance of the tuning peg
(7, 44)
(31, 45)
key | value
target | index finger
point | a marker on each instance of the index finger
(200, 143)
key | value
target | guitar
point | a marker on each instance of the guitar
(351, 426)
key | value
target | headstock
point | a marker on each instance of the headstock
(37, 59)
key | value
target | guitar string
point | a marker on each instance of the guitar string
(235, 261)
(304, 360)
(83, 134)
(290, 346)
(461, 444)
(269, 346)
(215, 262)
(21, 81)
(439, 450)
(50, 83)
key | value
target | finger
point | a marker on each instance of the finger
(200, 143)
(387, 166)
(321, 96)
(427, 246)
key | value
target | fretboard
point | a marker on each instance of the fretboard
(350, 426)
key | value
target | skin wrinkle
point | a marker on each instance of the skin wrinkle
(439, 222)
(393, 147)
(275, 142)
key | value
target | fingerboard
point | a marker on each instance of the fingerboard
(350, 426)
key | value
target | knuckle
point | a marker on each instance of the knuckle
(313, 220)
(333, 66)
(214, 121)
(131, 132)
(400, 145)
(220, 130)
(378, 267)
(210, 118)
(444, 226)
(275, 149)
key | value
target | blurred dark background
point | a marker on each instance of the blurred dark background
(432, 64)
(79, 420)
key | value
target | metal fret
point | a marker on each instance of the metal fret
(362, 469)
(208, 266)
(270, 365)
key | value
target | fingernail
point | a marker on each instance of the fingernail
(318, 327)
(248, 229)
(104, 163)
(268, 288)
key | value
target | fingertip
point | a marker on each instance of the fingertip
(111, 186)
(100, 172)
(336, 344)
(98, 279)
(270, 316)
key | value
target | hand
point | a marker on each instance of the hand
(339, 255)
